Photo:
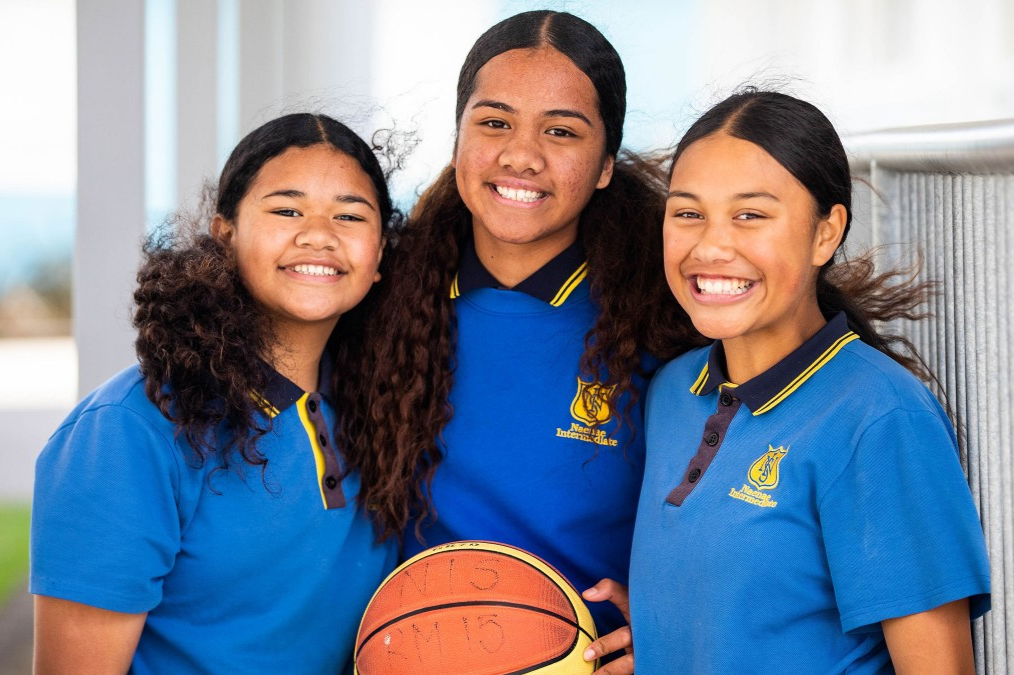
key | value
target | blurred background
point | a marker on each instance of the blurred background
(116, 111)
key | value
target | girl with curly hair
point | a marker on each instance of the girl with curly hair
(803, 509)
(195, 512)
(526, 310)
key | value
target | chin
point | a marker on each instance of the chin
(715, 329)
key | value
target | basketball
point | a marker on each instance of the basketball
(474, 607)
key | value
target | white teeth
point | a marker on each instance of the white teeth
(315, 270)
(723, 286)
(518, 195)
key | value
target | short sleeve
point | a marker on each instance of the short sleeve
(901, 531)
(105, 526)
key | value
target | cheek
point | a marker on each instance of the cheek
(471, 153)
(674, 249)
(365, 251)
(674, 252)
(583, 174)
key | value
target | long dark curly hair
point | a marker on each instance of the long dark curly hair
(406, 401)
(803, 140)
(203, 342)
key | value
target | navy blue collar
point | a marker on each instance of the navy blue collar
(282, 392)
(764, 392)
(551, 283)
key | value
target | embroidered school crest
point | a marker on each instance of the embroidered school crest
(763, 473)
(591, 403)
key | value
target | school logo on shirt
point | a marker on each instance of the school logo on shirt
(763, 475)
(591, 403)
(764, 472)
(590, 407)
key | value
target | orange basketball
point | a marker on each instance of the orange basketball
(474, 607)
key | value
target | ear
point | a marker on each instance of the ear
(607, 172)
(222, 230)
(828, 235)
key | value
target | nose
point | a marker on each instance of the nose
(317, 233)
(523, 153)
(715, 244)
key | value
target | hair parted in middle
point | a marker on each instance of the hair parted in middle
(203, 341)
(405, 406)
(804, 141)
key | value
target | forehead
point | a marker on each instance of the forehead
(542, 78)
(723, 163)
(318, 166)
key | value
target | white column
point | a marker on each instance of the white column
(196, 97)
(261, 62)
(328, 56)
(110, 194)
(301, 55)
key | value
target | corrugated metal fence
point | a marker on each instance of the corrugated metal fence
(948, 192)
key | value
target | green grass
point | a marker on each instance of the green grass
(14, 519)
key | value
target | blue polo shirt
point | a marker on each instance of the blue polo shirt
(238, 571)
(783, 519)
(533, 457)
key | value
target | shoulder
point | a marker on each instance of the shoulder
(683, 370)
(885, 383)
(119, 411)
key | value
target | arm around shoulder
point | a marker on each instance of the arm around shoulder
(71, 637)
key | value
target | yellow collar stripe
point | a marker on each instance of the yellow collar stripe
(568, 287)
(454, 288)
(808, 373)
(265, 405)
(701, 380)
(318, 453)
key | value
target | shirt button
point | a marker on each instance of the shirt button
(330, 482)
(323, 440)
(725, 398)
(694, 474)
(711, 439)
(312, 405)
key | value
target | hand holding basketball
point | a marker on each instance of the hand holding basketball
(621, 638)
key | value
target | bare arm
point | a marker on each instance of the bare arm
(621, 638)
(75, 638)
(936, 641)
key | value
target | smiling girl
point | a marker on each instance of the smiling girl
(526, 308)
(194, 514)
(803, 509)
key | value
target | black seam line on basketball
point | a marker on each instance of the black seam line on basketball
(450, 605)
(538, 666)
(560, 657)
(573, 607)
(565, 580)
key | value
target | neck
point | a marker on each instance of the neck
(512, 263)
(748, 356)
(297, 352)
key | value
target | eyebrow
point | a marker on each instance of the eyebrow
(556, 112)
(739, 196)
(343, 199)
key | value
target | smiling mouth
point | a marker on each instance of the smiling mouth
(316, 270)
(725, 286)
(518, 195)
